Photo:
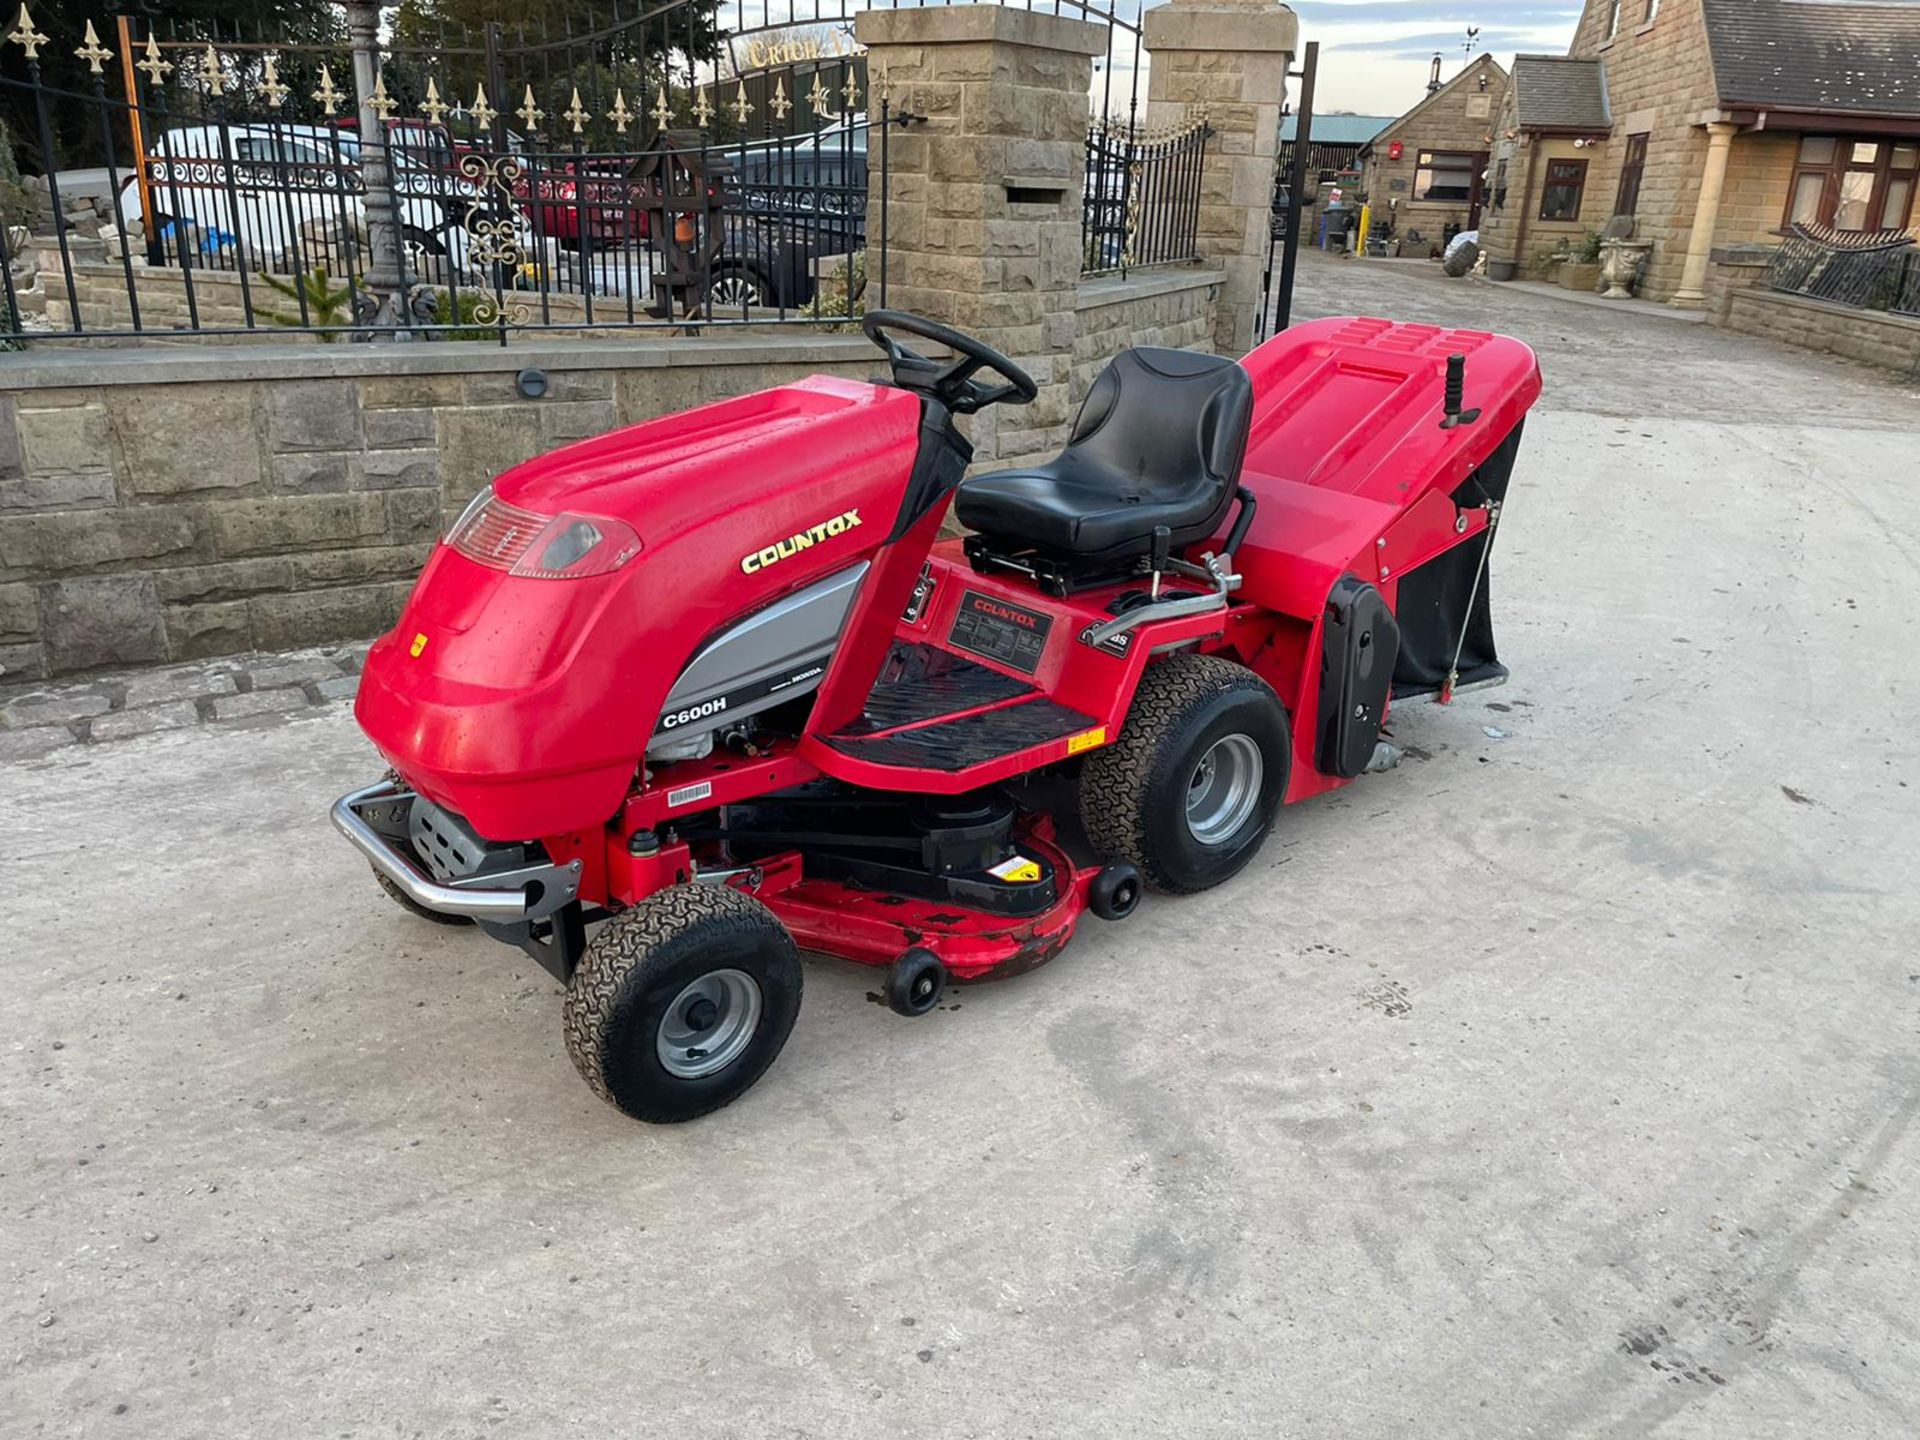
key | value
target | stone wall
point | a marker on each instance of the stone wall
(187, 501)
(1460, 117)
(1890, 342)
(1227, 60)
(983, 213)
(1174, 308)
(1734, 268)
(174, 503)
(219, 301)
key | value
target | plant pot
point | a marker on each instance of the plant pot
(1577, 275)
(1501, 269)
(1620, 262)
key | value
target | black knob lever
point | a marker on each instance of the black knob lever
(1456, 394)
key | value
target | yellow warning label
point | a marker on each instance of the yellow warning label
(419, 644)
(1016, 870)
(1086, 740)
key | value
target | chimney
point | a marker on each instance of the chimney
(1433, 81)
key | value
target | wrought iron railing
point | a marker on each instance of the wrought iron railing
(1141, 205)
(346, 175)
(229, 200)
(1877, 271)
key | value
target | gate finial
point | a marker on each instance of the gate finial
(483, 114)
(157, 69)
(327, 93)
(577, 114)
(25, 36)
(92, 51)
(530, 112)
(270, 85)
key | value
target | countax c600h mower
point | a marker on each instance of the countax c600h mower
(670, 704)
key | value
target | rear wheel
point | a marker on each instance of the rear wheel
(1188, 791)
(682, 1002)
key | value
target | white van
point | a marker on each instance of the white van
(285, 197)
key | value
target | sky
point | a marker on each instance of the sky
(1375, 55)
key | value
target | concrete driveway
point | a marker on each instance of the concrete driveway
(1559, 1083)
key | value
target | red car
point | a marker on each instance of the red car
(556, 194)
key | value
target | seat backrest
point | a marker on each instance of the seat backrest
(1169, 422)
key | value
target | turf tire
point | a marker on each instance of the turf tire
(1133, 792)
(635, 967)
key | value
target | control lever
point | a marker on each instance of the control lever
(1456, 395)
(1162, 546)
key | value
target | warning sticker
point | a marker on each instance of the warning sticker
(1086, 740)
(1016, 870)
(687, 794)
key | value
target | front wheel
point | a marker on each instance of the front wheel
(681, 1002)
(1188, 791)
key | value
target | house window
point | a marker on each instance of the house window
(1613, 18)
(1445, 175)
(1566, 185)
(1853, 184)
(1653, 11)
(1627, 202)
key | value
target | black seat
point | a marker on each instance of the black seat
(1158, 441)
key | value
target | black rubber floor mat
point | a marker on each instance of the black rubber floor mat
(967, 740)
(923, 682)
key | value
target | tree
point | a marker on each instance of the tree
(67, 92)
(552, 47)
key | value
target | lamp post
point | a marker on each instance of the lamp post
(383, 281)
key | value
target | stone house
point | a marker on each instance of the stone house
(1426, 173)
(1715, 124)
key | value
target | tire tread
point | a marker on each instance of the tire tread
(1115, 781)
(620, 954)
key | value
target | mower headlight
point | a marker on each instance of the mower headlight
(574, 546)
(540, 547)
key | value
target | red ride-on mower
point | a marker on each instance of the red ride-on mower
(711, 685)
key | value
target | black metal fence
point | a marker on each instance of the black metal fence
(1141, 205)
(672, 163)
(1870, 272)
(225, 199)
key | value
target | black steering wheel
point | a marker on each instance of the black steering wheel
(949, 382)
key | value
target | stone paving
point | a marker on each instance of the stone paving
(36, 720)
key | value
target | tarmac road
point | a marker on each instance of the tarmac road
(1561, 1082)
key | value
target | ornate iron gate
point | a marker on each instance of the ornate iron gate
(452, 182)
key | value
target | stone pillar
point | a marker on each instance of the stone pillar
(983, 198)
(1692, 294)
(1230, 58)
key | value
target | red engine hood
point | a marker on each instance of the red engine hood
(525, 704)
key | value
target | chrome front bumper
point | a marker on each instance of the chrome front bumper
(502, 898)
